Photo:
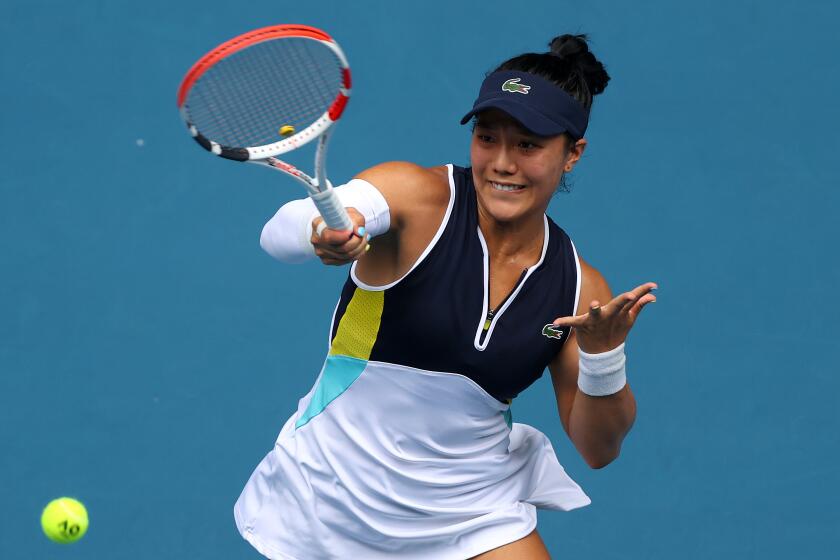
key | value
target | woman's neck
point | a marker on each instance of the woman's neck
(519, 240)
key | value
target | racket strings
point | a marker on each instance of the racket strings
(244, 99)
(262, 96)
(264, 80)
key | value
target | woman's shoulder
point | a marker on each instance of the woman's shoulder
(406, 173)
(417, 198)
(407, 183)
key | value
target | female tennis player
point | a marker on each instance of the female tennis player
(461, 292)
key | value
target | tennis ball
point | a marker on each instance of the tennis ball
(64, 520)
(287, 130)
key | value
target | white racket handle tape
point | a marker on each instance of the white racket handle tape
(331, 209)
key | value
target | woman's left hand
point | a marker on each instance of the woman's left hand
(605, 327)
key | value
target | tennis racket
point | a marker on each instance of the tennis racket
(268, 92)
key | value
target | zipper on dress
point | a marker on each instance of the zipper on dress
(483, 332)
(488, 320)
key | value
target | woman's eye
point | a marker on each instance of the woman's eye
(484, 137)
(525, 145)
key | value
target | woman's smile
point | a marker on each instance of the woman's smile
(507, 187)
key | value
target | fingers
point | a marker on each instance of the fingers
(630, 303)
(350, 249)
(360, 248)
(626, 301)
(577, 320)
(644, 295)
(618, 304)
(574, 321)
(340, 246)
(345, 245)
(606, 326)
(338, 237)
(644, 288)
(337, 247)
(637, 308)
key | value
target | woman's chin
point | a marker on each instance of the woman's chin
(505, 211)
(505, 207)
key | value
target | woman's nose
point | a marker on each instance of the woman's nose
(504, 162)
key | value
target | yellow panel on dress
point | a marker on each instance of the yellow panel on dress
(359, 326)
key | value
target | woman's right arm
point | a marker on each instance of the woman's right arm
(399, 202)
(417, 198)
(409, 189)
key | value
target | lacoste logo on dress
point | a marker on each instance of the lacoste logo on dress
(552, 331)
(514, 86)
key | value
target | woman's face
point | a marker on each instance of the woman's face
(515, 171)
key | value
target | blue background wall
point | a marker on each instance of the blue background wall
(150, 352)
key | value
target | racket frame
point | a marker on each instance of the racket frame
(318, 187)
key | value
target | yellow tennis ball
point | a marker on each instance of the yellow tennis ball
(64, 520)
(287, 130)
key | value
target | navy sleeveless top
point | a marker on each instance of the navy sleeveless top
(436, 316)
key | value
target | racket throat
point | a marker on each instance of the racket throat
(236, 154)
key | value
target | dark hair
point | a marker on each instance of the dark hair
(570, 65)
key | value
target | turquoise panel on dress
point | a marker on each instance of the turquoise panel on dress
(339, 373)
(508, 415)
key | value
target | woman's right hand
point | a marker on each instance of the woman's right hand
(339, 247)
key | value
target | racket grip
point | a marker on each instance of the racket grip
(331, 209)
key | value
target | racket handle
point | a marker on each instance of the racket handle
(331, 209)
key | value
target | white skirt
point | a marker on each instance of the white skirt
(384, 461)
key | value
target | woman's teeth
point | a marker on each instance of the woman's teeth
(500, 187)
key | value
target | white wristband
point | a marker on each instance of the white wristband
(602, 374)
(286, 236)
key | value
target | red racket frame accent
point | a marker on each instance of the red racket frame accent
(337, 107)
(341, 101)
(252, 37)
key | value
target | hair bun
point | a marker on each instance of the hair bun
(568, 46)
(574, 50)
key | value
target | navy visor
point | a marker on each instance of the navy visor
(538, 104)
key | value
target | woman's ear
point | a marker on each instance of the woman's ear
(575, 153)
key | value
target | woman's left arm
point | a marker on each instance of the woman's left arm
(596, 425)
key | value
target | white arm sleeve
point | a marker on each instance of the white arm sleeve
(286, 235)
